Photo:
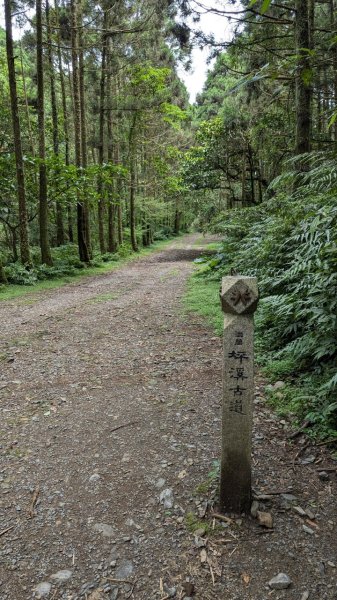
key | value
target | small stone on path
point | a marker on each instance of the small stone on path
(166, 498)
(42, 590)
(308, 530)
(61, 576)
(254, 509)
(105, 529)
(124, 570)
(300, 511)
(289, 497)
(95, 477)
(281, 582)
(305, 596)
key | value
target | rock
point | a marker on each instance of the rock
(289, 497)
(300, 511)
(62, 576)
(254, 509)
(307, 460)
(42, 590)
(95, 477)
(124, 569)
(96, 595)
(308, 530)
(199, 542)
(170, 592)
(160, 483)
(200, 532)
(280, 582)
(278, 385)
(114, 593)
(166, 498)
(105, 529)
(324, 476)
(305, 596)
(265, 497)
(310, 514)
(265, 519)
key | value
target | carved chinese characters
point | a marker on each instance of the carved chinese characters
(239, 297)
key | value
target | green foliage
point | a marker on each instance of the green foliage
(193, 523)
(289, 243)
(202, 297)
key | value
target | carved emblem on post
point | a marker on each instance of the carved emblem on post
(237, 297)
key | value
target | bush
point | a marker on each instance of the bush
(290, 244)
(19, 275)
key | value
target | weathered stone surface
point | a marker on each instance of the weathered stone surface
(124, 570)
(281, 582)
(62, 576)
(105, 529)
(166, 498)
(42, 590)
(239, 296)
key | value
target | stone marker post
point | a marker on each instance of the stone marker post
(239, 298)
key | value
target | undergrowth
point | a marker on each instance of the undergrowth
(289, 243)
(66, 268)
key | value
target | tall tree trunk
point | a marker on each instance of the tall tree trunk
(3, 278)
(177, 217)
(30, 133)
(100, 206)
(20, 175)
(333, 19)
(112, 242)
(82, 244)
(64, 114)
(303, 82)
(54, 112)
(118, 178)
(14, 244)
(83, 129)
(43, 200)
(132, 202)
(133, 183)
(243, 179)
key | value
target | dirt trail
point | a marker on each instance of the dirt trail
(111, 395)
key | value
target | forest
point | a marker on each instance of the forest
(101, 154)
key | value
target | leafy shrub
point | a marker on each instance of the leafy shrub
(163, 234)
(109, 257)
(19, 275)
(290, 244)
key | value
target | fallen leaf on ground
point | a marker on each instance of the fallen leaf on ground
(246, 578)
(265, 519)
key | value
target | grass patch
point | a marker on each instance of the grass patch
(103, 298)
(202, 297)
(193, 523)
(216, 246)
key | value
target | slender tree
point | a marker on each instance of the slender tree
(20, 176)
(43, 191)
(54, 113)
(82, 242)
(303, 80)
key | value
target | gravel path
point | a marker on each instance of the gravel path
(110, 399)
